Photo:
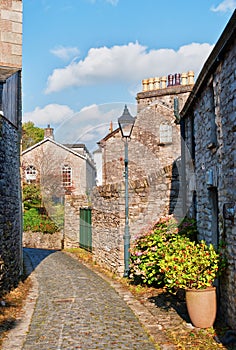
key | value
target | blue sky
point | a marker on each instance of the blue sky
(84, 59)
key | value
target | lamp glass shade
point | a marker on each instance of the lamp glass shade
(126, 123)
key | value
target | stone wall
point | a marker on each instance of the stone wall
(10, 134)
(72, 204)
(43, 240)
(148, 198)
(106, 226)
(10, 206)
(210, 135)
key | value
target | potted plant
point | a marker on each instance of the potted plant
(193, 266)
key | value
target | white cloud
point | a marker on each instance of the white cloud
(93, 133)
(96, 113)
(91, 123)
(65, 53)
(113, 2)
(88, 126)
(127, 64)
(134, 89)
(224, 6)
(50, 114)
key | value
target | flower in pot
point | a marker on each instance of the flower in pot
(147, 249)
(193, 266)
(187, 264)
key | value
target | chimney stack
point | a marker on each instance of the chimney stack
(48, 132)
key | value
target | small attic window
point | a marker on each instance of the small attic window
(165, 133)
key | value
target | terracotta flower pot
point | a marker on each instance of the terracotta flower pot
(202, 306)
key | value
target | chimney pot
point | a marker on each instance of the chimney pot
(184, 77)
(145, 84)
(190, 77)
(156, 83)
(151, 83)
(170, 80)
(163, 82)
(177, 78)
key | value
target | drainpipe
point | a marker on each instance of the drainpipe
(1, 106)
(176, 110)
(181, 122)
(183, 165)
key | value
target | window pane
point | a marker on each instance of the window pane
(66, 176)
(165, 133)
(30, 173)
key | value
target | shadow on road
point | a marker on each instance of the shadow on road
(165, 301)
(32, 257)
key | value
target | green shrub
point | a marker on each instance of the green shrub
(57, 214)
(35, 216)
(35, 222)
(31, 196)
(188, 264)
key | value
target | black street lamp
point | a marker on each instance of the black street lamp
(126, 124)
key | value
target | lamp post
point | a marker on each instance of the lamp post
(126, 124)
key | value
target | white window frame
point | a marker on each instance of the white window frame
(66, 172)
(30, 173)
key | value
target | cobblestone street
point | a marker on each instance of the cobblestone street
(77, 309)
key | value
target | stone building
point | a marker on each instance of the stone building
(208, 123)
(155, 141)
(10, 136)
(59, 169)
(154, 151)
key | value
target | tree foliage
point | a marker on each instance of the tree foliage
(31, 196)
(31, 135)
(36, 218)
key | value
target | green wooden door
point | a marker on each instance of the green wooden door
(85, 240)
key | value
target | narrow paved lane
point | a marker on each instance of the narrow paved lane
(77, 309)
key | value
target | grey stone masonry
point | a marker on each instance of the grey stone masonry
(209, 119)
(72, 207)
(10, 136)
(10, 206)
